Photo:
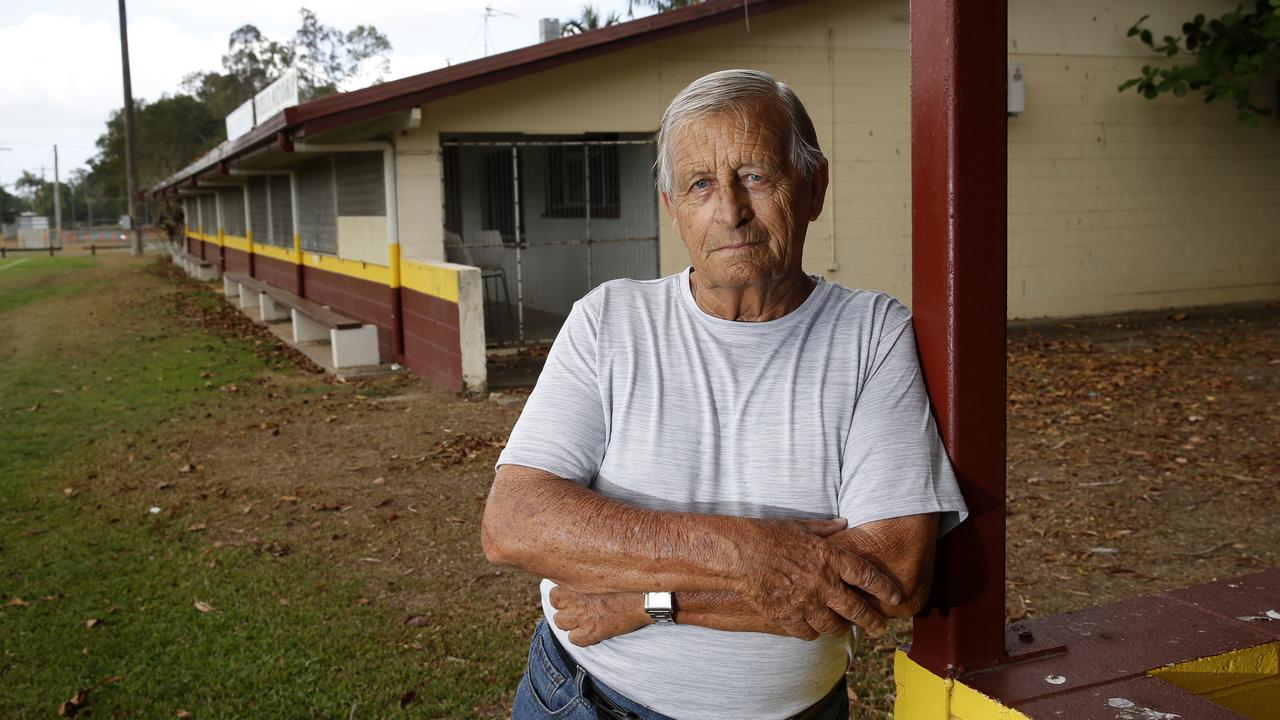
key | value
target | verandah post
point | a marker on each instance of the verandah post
(959, 266)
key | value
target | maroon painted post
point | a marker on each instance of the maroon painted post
(958, 226)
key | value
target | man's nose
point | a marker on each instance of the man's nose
(733, 207)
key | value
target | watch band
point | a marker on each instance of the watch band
(661, 607)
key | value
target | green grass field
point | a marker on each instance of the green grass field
(97, 593)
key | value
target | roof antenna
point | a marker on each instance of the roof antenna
(746, 15)
(491, 11)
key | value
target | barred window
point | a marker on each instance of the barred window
(567, 182)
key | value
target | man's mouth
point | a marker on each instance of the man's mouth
(738, 246)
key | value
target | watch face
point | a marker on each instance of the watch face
(660, 607)
(658, 601)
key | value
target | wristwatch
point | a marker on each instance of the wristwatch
(661, 607)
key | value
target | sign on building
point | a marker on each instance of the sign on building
(277, 96)
(240, 121)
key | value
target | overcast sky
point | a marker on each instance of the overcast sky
(61, 58)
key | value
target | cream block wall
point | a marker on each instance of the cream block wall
(1115, 203)
(1118, 203)
(418, 195)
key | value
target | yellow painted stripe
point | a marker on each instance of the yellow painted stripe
(380, 274)
(393, 257)
(1246, 680)
(924, 696)
(235, 242)
(429, 279)
(274, 252)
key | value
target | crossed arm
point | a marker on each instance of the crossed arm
(799, 578)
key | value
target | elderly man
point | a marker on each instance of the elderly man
(720, 472)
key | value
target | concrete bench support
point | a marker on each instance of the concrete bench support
(206, 272)
(354, 347)
(270, 309)
(351, 347)
(307, 330)
(248, 297)
(230, 287)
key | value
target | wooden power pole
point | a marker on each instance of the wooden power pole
(130, 151)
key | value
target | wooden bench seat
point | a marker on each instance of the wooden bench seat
(352, 342)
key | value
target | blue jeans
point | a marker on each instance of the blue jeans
(552, 689)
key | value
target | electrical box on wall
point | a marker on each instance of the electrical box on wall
(1017, 89)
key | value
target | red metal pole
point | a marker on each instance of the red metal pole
(958, 226)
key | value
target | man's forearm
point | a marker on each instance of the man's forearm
(720, 610)
(589, 543)
(553, 528)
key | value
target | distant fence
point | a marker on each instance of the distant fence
(93, 249)
(85, 241)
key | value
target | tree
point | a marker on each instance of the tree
(172, 131)
(178, 128)
(326, 58)
(589, 20)
(1226, 57)
(658, 5)
(10, 207)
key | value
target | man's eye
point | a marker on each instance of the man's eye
(701, 184)
(754, 177)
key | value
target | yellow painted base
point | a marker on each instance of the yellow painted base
(925, 696)
(1245, 681)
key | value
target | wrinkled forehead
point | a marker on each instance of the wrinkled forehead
(752, 134)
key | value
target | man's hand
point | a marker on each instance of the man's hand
(591, 618)
(808, 586)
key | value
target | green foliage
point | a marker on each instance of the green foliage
(176, 129)
(590, 19)
(35, 194)
(325, 56)
(171, 132)
(10, 206)
(658, 5)
(1226, 56)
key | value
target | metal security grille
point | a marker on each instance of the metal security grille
(281, 204)
(258, 216)
(361, 183)
(232, 210)
(546, 222)
(317, 206)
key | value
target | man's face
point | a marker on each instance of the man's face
(739, 206)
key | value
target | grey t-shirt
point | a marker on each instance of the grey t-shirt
(821, 413)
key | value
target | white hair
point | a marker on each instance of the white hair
(734, 91)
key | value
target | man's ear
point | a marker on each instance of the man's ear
(666, 203)
(818, 190)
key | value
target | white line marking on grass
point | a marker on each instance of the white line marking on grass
(15, 262)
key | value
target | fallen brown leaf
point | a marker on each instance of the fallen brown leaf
(75, 704)
(203, 607)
